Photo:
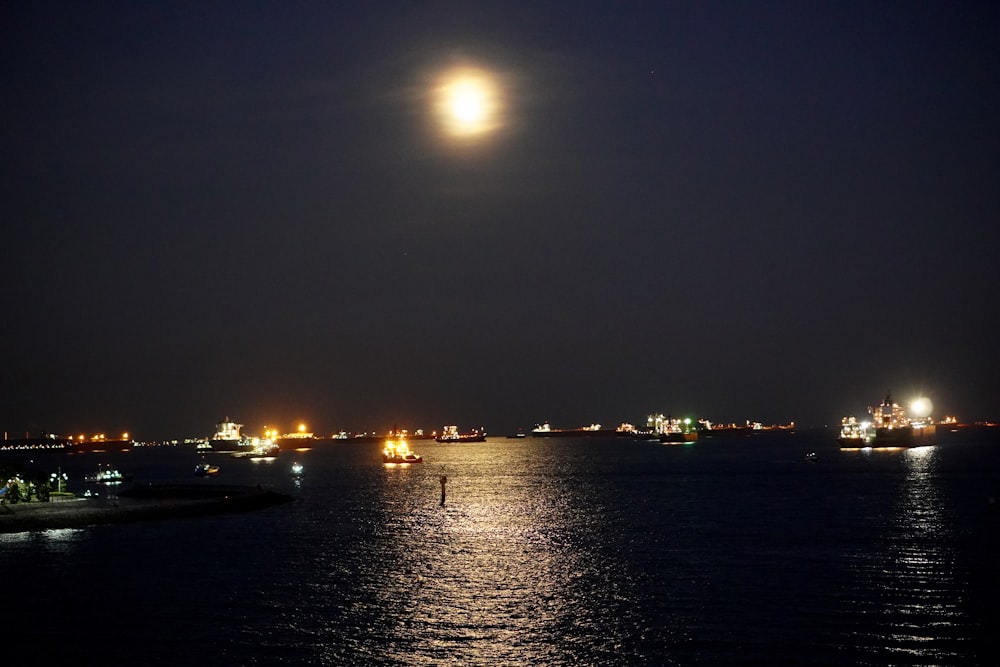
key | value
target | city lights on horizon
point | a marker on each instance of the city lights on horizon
(918, 411)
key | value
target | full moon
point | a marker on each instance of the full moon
(921, 407)
(468, 103)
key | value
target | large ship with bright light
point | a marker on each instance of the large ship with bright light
(890, 426)
(671, 430)
(227, 438)
(300, 439)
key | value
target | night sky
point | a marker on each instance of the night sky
(733, 210)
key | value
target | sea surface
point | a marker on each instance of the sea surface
(603, 551)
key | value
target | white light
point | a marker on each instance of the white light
(921, 407)
(468, 103)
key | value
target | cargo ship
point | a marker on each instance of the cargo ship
(451, 434)
(99, 443)
(670, 430)
(372, 436)
(594, 430)
(890, 426)
(299, 440)
(227, 438)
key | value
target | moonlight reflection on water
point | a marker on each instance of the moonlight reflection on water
(603, 551)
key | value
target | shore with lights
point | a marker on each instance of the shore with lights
(230, 438)
(886, 424)
(40, 501)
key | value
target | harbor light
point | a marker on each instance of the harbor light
(58, 478)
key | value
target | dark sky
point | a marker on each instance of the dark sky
(775, 211)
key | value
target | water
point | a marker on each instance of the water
(546, 552)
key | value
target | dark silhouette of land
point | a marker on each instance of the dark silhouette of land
(140, 503)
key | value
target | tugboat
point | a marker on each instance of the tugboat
(265, 449)
(397, 451)
(108, 474)
(205, 470)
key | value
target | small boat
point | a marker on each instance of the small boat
(108, 474)
(397, 451)
(263, 450)
(204, 470)
(297, 469)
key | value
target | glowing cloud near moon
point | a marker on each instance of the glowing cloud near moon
(468, 104)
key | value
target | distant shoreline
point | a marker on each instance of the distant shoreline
(140, 503)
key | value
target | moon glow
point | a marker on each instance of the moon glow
(921, 407)
(468, 104)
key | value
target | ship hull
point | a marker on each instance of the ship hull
(116, 445)
(294, 444)
(678, 438)
(576, 433)
(402, 459)
(906, 436)
(220, 445)
(462, 438)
